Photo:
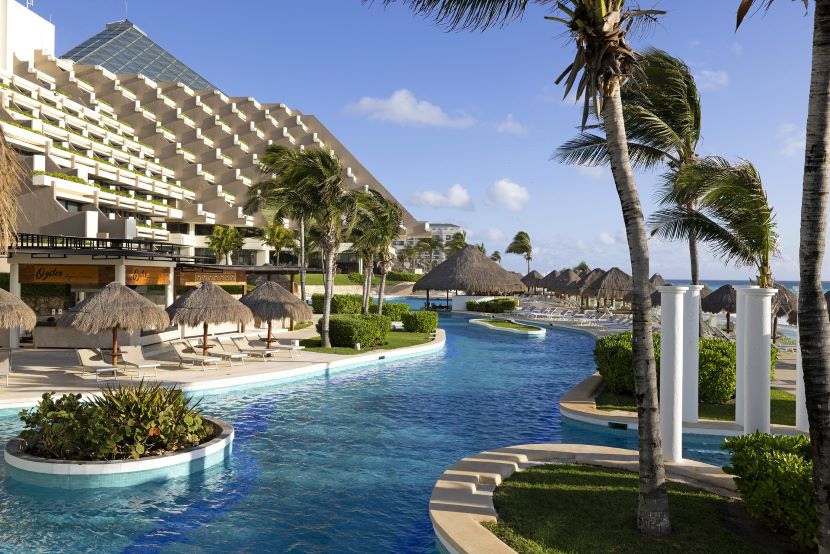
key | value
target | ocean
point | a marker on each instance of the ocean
(717, 283)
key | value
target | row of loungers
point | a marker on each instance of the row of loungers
(588, 318)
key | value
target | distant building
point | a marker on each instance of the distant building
(443, 232)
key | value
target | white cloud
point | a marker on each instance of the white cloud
(456, 197)
(494, 234)
(511, 126)
(711, 80)
(791, 139)
(594, 172)
(607, 238)
(405, 109)
(505, 192)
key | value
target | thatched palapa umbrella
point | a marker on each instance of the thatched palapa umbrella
(15, 313)
(472, 271)
(533, 280)
(657, 280)
(723, 299)
(112, 308)
(271, 301)
(549, 280)
(575, 289)
(612, 285)
(564, 281)
(208, 304)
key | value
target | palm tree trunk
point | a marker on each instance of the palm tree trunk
(328, 289)
(367, 284)
(528, 264)
(381, 291)
(813, 324)
(653, 510)
(302, 258)
(693, 258)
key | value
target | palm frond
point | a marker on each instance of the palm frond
(468, 14)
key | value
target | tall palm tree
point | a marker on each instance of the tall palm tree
(11, 172)
(277, 236)
(604, 60)
(496, 256)
(386, 224)
(813, 324)
(521, 245)
(364, 247)
(732, 212)
(408, 254)
(224, 241)
(661, 109)
(457, 243)
(282, 195)
(429, 246)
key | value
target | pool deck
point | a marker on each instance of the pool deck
(37, 371)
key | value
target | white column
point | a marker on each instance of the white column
(758, 335)
(170, 288)
(691, 336)
(740, 352)
(671, 371)
(14, 289)
(801, 421)
(121, 274)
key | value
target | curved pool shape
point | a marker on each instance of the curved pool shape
(338, 464)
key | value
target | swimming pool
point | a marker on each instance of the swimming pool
(344, 463)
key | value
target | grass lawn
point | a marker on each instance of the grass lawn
(578, 508)
(303, 325)
(511, 325)
(339, 279)
(782, 406)
(397, 339)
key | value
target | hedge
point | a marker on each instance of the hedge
(495, 306)
(392, 310)
(340, 303)
(350, 329)
(420, 322)
(402, 276)
(774, 475)
(716, 379)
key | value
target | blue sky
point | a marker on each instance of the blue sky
(461, 126)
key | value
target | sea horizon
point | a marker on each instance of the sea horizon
(717, 283)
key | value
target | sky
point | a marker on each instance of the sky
(460, 126)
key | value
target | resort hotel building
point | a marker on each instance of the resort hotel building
(442, 232)
(131, 160)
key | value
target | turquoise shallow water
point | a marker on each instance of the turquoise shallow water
(344, 463)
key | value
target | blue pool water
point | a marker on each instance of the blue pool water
(338, 464)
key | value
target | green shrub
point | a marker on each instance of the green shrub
(716, 370)
(393, 310)
(356, 278)
(340, 303)
(774, 475)
(124, 422)
(402, 276)
(494, 306)
(614, 357)
(350, 329)
(423, 321)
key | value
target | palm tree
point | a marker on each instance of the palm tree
(277, 236)
(11, 172)
(582, 267)
(481, 247)
(661, 109)
(408, 253)
(386, 224)
(457, 243)
(496, 256)
(521, 245)
(430, 245)
(732, 213)
(365, 249)
(282, 194)
(813, 325)
(224, 241)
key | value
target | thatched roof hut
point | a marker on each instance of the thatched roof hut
(705, 291)
(271, 301)
(784, 302)
(208, 304)
(472, 271)
(575, 289)
(549, 280)
(564, 281)
(656, 297)
(15, 313)
(657, 280)
(112, 308)
(613, 285)
(723, 299)
(533, 279)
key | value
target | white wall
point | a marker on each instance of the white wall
(22, 32)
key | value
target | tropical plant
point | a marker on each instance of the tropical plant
(430, 246)
(661, 109)
(11, 173)
(521, 245)
(408, 255)
(457, 243)
(581, 267)
(364, 246)
(481, 247)
(496, 256)
(385, 219)
(224, 241)
(277, 236)
(813, 324)
(731, 212)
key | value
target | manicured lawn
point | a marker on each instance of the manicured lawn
(511, 325)
(578, 508)
(782, 407)
(317, 279)
(397, 339)
(303, 325)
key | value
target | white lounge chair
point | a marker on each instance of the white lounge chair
(133, 356)
(245, 346)
(229, 344)
(229, 357)
(181, 348)
(93, 360)
(5, 364)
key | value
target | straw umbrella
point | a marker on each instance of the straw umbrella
(472, 271)
(533, 280)
(564, 280)
(575, 289)
(15, 313)
(208, 304)
(612, 285)
(723, 299)
(112, 308)
(271, 301)
(549, 280)
(657, 280)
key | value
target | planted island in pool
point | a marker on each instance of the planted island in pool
(510, 326)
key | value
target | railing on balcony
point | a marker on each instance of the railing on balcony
(28, 242)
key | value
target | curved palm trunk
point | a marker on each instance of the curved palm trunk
(653, 509)
(381, 290)
(813, 325)
(328, 290)
(367, 283)
(302, 258)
